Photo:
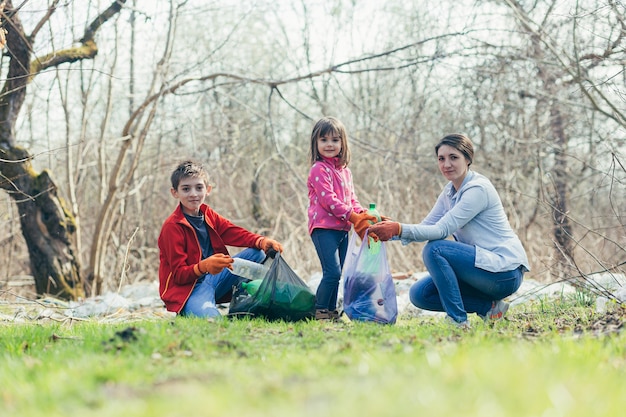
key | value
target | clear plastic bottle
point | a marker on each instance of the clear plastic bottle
(373, 245)
(374, 212)
(249, 269)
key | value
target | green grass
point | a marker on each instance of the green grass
(550, 359)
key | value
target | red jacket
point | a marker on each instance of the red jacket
(179, 252)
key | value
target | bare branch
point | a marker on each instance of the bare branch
(88, 48)
(275, 83)
(44, 19)
(86, 51)
(100, 20)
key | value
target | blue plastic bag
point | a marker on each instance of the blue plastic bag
(369, 293)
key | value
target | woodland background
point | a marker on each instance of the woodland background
(102, 99)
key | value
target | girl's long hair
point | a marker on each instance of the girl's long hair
(331, 125)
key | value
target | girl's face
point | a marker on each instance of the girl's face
(329, 145)
(191, 193)
(452, 164)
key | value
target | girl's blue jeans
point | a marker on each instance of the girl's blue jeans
(331, 246)
(201, 302)
(456, 286)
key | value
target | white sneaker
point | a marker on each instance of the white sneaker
(464, 325)
(497, 311)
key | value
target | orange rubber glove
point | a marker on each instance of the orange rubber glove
(361, 221)
(265, 244)
(385, 230)
(214, 264)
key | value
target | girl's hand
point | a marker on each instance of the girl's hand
(361, 221)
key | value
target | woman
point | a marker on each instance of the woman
(486, 260)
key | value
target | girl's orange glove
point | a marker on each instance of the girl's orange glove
(214, 264)
(361, 221)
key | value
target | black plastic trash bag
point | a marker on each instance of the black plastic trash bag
(282, 295)
(369, 293)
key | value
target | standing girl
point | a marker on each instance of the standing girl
(333, 209)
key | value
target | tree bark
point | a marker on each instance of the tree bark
(562, 228)
(560, 218)
(47, 226)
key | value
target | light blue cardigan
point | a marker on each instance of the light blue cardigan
(473, 215)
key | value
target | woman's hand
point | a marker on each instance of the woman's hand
(384, 230)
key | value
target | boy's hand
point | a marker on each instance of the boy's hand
(214, 264)
(361, 221)
(266, 244)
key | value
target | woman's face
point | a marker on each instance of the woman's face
(452, 164)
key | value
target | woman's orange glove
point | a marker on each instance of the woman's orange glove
(361, 221)
(385, 230)
(214, 264)
(266, 244)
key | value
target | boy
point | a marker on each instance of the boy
(194, 269)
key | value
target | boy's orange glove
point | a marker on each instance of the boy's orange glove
(266, 244)
(214, 264)
(361, 221)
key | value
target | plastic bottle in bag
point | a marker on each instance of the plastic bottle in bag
(252, 287)
(373, 245)
(249, 269)
(374, 212)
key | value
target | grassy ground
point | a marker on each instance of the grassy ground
(543, 360)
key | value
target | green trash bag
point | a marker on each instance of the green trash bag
(281, 295)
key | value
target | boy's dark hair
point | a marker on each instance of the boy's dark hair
(189, 169)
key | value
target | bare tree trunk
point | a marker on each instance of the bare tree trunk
(562, 226)
(47, 225)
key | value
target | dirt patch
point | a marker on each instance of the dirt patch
(607, 323)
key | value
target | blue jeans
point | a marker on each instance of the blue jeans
(456, 286)
(201, 302)
(331, 246)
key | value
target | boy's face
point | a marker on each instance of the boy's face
(191, 193)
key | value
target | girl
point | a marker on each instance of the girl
(484, 263)
(333, 208)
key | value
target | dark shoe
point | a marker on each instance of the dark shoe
(326, 315)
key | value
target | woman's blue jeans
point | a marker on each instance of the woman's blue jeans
(456, 286)
(331, 246)
(201, 302)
